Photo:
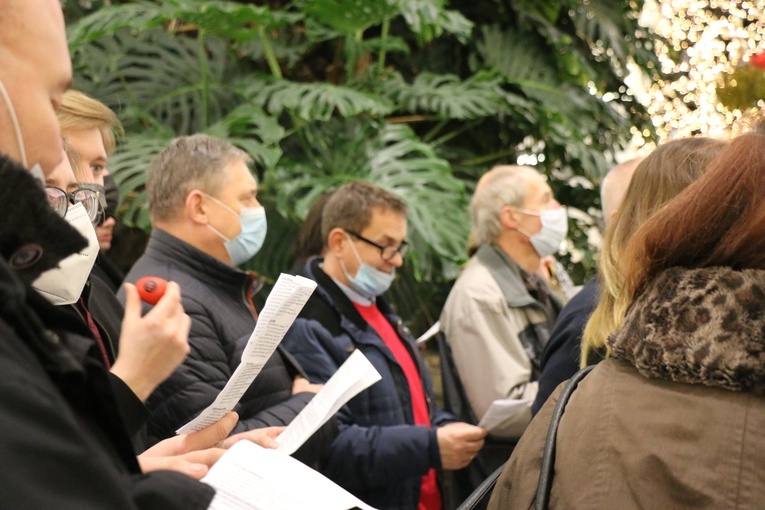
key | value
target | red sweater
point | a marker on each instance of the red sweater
(430, 498)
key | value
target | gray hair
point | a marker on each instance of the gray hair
(188, 163)
(500, 186)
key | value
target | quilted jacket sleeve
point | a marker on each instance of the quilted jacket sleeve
(362, 456)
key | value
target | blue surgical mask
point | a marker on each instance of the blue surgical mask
(370, 282)
(249, 241)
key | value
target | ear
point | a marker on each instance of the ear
(509, 217)
(195, 207)
(336, 241)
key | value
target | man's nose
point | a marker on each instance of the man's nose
(397, 260)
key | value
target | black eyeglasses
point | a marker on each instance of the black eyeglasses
(386, 252)
(60, 200)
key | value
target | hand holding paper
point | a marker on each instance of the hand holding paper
(285, 301)
(354, 376)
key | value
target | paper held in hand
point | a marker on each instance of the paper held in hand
(284, 303)
(249, 477)
(505, 410)
(354, 376)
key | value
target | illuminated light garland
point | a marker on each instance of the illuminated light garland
(706, 39)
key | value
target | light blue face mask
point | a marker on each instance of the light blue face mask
(369, 281)
(249, 241)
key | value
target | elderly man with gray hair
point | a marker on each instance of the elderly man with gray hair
(500, 312)
(206, 221)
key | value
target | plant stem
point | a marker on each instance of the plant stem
(433, 132)
(383, 41)
(204, 70)
(489, 157)
(456, 132)
(268, 49)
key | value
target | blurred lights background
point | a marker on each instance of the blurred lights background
(710, 43)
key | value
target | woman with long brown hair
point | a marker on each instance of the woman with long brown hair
(672, 419)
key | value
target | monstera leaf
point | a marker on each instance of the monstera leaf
(161, 73)
(446, 96)
(315, 101)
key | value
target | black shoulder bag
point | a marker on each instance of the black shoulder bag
(546, 472)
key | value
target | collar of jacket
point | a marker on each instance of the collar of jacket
(506, 273)
(33, 238)
(698, 326)
(197, 263)
(335, 296)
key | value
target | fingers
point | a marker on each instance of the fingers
(264, 437)
(180, 464)
(210, 436)
(132, 301)
(170, 303)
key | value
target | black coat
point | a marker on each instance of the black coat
(63, 443)
(216, 297)
(562, 354)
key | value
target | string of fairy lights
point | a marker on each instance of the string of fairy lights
(705, 40)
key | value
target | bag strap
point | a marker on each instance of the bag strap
(546, 473)
(480, 494)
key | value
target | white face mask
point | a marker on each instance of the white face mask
(63, 285)
(36, 170)
(554, 230)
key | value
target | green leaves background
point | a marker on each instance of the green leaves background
(418, 96)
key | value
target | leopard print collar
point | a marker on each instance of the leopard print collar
(698, 326)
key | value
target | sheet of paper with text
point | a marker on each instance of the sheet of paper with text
(249, 477)
(353, 377)
(284, 303)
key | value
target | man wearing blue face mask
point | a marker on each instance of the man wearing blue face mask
(500, 311)
(206, 220)
(393, 439)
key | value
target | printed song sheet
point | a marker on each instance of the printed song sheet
(282, 306)
(353, 377)
(249, 477)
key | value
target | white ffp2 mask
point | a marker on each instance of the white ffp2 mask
(63, 285)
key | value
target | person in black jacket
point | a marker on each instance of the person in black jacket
(207, 220)
(64, 444)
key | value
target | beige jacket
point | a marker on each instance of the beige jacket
(485, 336)
(675, 419)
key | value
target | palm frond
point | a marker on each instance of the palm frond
(349, 17)
(112, 18)
(249, 127)
(129, 165)
(446, 96)
(161, 73)
(315, 101)
(429, 19)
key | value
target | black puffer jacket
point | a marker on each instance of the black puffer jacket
(63, 443)
(217, 298)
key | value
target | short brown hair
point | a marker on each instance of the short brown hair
(79, 111)
(351, 206)
(189, 162)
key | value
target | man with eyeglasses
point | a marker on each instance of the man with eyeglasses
(393, 439)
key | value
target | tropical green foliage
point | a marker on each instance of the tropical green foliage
(419, 96)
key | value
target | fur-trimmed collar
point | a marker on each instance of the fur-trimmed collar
(698, 326)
